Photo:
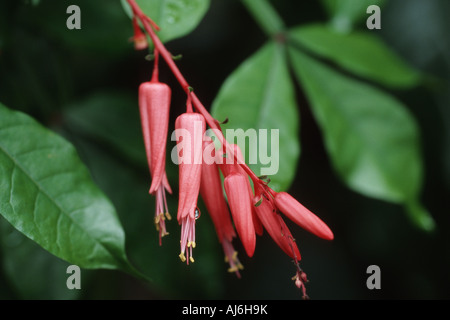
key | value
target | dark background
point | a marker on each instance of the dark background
(50, 73)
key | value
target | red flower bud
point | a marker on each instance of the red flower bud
(213, 197)
(231, 164)
(241, 209)
(295, 211)
(276, 227)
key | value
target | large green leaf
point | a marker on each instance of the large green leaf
(136, 209)
(359, 52)
(346, 13)
(48, 195)
(260, 95)
(176, 18)
(372, 139)
(33, 272)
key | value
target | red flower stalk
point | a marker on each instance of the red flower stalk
(295, 211)
(139, 38)
(189, 133)
(240, 203)
(213, 197)
(154, 106)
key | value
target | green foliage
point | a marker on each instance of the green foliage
(61, 210)
(48, 195)
(176, 18)
(361, 53)
(45, 279)
(98, 116)
(260, 95)
(372, 139)
(105, 30)
(346, 14)
(264, 14)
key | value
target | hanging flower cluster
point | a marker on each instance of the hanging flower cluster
(246, 211)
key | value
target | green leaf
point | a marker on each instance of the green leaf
(260, 95)
(176, 18)
(111, 118)
(136, 207)
(48, 195)
(33, 272)
(105, 29)
(372, 139)
(345, 14)
(359, 52)
(265, 15)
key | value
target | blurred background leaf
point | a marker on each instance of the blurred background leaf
(372, 140)
(110, 118)
(362, 53)
(346, 14)
(258, 95)
(102, 25)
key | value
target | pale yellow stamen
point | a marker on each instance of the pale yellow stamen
(169, 217)
(233, 269)
(234, 257)
(191, 259)
(182, 257)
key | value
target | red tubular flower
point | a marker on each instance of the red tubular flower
(276, 227)
(295, 211)
(154, 106)
(213, 197)
(189, 132)
(248, 218)
(139, 38)
(241, 209)
(231, 163)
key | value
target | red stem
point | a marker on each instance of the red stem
(155, 75)
(167, 56)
